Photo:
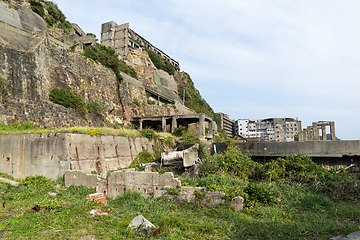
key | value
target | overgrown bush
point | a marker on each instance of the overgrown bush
(108, 57)
(68, 98)
(143, 157)
(136, 102)
(148, 133)
(37, 7)
(96, 107)
(36, 181)
(178, 132)
(160, 62)
(150, 102)
(232, 162)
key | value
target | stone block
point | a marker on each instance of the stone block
(237, 203)
(213, 198)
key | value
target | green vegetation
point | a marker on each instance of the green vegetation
(68, 98)
(4, 90)
(54, 17)
(95, 107)
(148, 133)
(194, 100)
(150, 102)
(136, 102)
(107, 57)
(160, 62)
(143, 157)
(295, 204)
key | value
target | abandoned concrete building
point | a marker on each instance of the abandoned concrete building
(311, 133)
(169, 123)
(270, 129)
(227, 124)
(123, 39)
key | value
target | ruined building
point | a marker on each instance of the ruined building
(123, 39)
(312, 133)
(270, 129)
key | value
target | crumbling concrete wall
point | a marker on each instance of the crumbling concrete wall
(147, 183)
(52, 154)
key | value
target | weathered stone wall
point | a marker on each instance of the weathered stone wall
(32, 75)
(52, 154)
(147, 183)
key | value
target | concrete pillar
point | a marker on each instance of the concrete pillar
(316, 132)
(140, 124)
(202, 125)
(310, 133)
(173, 123)
(301, 136)
(163, 124)
(323, 132)
(332, 131)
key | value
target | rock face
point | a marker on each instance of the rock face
(32, 64)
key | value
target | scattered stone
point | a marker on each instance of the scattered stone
(98, 212)
(51, 194)
(142, 222)
(237, 203)
(213, 198)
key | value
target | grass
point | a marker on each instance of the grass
(28, 128)
(301, 214)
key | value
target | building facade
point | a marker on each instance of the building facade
(227, 124)
(270, 129)
(123, 39)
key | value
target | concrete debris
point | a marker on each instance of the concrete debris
(213, 198)
(192, 172)
(99, 197)
(141, 223)
(12, 183)
(237, 203)
(179, 158)
(98, 212)
(51, 194)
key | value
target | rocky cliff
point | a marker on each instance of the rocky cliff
(32, 63)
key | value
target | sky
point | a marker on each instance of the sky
(252, 59)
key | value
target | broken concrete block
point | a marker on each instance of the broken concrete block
(213, 198)
(98, 212)
(237, 203)
(99, 197)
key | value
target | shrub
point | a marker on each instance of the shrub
(136, 102)
(150, 102)
(143, 157)
(108, 57)
(96, 107)
(37, 180)
(178, 132)
(148, 133)
(160, 62)
(68, 99)
(37, 7)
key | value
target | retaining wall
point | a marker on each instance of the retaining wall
(52, 154)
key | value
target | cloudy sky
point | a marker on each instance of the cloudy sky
(252, 58)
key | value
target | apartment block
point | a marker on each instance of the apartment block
(270, 129)
(123, 39)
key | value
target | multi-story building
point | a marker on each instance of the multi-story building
(227, 124)
(270, 129)
(123, 39)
